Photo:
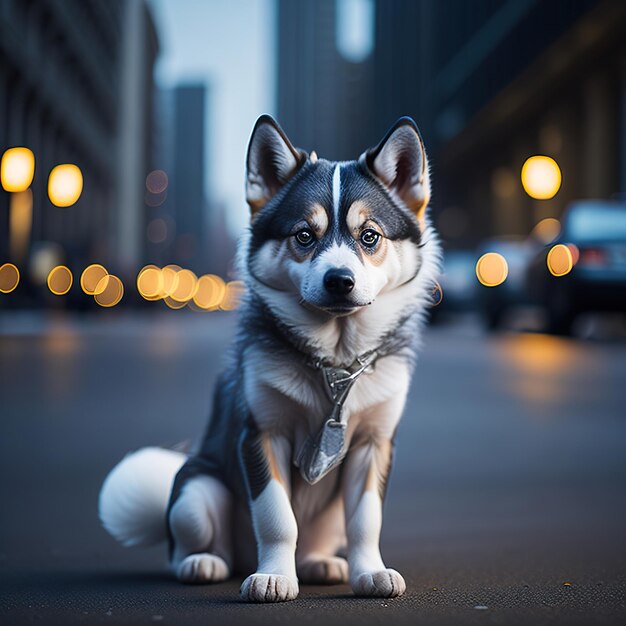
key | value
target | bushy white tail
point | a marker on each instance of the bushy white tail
(134, 496)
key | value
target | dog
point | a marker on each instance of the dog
(339, 264)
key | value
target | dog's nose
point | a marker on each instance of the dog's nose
(339, 282)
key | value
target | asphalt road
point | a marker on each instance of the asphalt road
(507, 503)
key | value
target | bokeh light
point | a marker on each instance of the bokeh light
(60, 280)
(233, 295)
(9, 277)
(109, 291)
(547, 230)
(17, 169)
(559, 260)
(170, 279)
(65, 184)
(20, 223)
(91, 279)
(541, 177)
(492, 269)
(186, 288)
(210, 292)
(156, 181)
(150, 282)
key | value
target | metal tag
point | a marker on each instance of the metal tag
(324, 451)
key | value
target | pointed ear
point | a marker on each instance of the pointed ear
(399, 161)
(272, 161)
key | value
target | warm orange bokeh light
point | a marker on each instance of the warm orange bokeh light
(150, 282)
(65, 184)
(559, 260)
(17, 169)
(170, 279)
(492, 269)
(109, 291)
(186, 288)
(91, 279)
(235, 290)
(60, 280)
(211, 290)
(547, 230)
(541, 177)
(9, 277)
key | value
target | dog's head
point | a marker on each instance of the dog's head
(333, 237)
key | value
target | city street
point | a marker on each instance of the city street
(507, 502)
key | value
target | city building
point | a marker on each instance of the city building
(76, 85)
(489, 82)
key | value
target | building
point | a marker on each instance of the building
(322, 96)
(530, 78)
(181, 153)
(489, 82)
(76, 87)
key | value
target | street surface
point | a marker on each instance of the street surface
(507, 503)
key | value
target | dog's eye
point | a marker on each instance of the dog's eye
(369, 238)
(305, 237)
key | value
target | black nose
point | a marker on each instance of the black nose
(339, 282)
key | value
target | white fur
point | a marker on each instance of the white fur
(133, 499)
(337, 191)
(276, 533)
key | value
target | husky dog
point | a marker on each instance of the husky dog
(339, 264)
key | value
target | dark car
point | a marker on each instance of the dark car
(595, 232)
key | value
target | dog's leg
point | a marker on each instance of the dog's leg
(319, 541)
(265, 462)
(200, 524)
(364, 483)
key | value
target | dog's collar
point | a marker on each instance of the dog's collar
(323, 451)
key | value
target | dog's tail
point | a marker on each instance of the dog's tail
(134, 496)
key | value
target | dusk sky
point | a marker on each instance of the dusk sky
(230, 47)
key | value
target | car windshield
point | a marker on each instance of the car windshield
(597, 223)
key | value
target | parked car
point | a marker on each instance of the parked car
(595, 231)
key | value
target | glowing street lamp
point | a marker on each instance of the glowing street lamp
(17, 169)
(541, 177)
(65, 184)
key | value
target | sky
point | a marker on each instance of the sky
(229, 45)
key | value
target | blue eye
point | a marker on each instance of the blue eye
(369, 238)
(305, 237)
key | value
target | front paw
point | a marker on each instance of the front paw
(386, 583)
(269, 588)
(330, 570)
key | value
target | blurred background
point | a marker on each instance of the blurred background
(123, 131)
(153, 102)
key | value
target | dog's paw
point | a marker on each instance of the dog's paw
(202, 568)
(269, 588)
(329, 570)
(386, 583)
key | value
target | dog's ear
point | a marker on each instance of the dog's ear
(272, 161)
(399, 162)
